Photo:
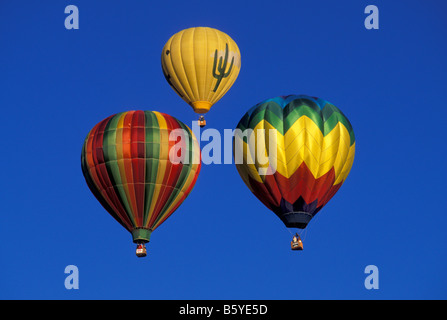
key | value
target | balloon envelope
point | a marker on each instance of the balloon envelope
(126, 162)
(201, 64)
(309, 157)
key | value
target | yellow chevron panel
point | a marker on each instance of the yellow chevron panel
(347, 166)
(247, 158)
(309, 125)
(302, 155)
(303, 142)
(280, 158)
(335, 150)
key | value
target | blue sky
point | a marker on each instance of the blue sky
(222, 243)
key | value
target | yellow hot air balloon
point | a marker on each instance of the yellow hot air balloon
(201, 64)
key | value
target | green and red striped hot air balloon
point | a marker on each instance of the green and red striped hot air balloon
(308, 161)
(139, 170)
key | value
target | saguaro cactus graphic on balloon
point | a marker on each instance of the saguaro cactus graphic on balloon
(221, 67)
(201, 64)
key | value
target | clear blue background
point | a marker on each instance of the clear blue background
(222, 243)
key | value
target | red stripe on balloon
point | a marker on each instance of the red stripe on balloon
(100, 175)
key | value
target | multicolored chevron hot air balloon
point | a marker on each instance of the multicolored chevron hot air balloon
(201, 64)
(127, 162)
(314, 153)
